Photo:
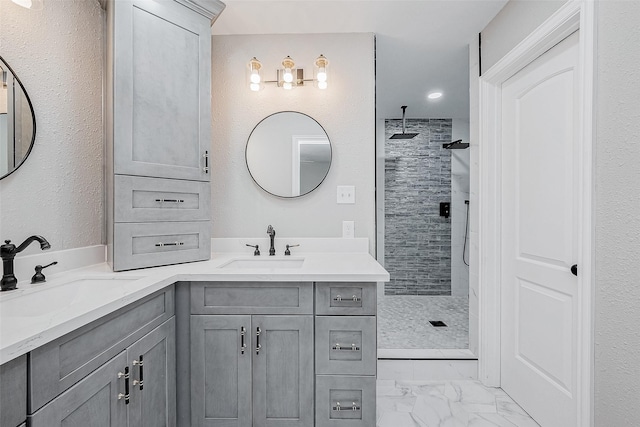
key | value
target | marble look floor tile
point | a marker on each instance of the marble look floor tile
(472, 395)
(511, 411)
(408, 403)
(488, 420)
(397, 419)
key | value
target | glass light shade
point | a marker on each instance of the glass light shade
(254, 87)
(255, 76)
(434, 95)
(29, 4)
(322, 74)
(287, 85)
(288, 75)
(322, 84)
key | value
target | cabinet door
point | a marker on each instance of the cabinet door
(152, 363)
(93, 402)
(283, 392)
(13, 392)
(162, 90)
(220, 371)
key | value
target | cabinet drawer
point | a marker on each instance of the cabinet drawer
(139, 245)
(13, 392)
(58, 365)
(142, 199)
(251, 298)
(345, 398)
(346, 345)
(346, 298)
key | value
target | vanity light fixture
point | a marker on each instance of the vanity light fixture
(434, 95)
(29, 4)
(288, 76)
(255, 78)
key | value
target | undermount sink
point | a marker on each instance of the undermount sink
(274, 263)
(51, 298)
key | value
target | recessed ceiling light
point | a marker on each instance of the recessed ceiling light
(434, 95)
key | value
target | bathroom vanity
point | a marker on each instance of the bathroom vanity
(223, 342)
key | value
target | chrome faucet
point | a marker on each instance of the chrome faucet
(8, 252)
(272, 234)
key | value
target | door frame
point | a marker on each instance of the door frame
(573, 15)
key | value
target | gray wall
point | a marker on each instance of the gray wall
(617, 194)
(417, 239)
(345, 110)
(58, 192)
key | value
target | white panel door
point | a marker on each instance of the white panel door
(539, 318)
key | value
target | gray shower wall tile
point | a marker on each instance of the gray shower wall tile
(417, 179)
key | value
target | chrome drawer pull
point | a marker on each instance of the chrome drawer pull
(206, 162)
(243, 345)
(170, 200)
(352, 348)
(160, 244)
(354, 298)
(140, 364)
(353, 407)
(124, 395)
(258, 345)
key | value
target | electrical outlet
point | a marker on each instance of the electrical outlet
(346, 194)
(348, 229)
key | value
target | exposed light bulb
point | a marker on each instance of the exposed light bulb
(287, 85)
(24, 3)
(254, 87)
(434, 95)
(322, 74)
(255, 76)
(288, 75)
(322, 84)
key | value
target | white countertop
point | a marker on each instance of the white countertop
(34, 315)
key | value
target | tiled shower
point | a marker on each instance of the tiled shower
(423, 250)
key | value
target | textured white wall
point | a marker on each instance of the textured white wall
(345, 110)
(57, 54)
(617, 215)
(516, 20)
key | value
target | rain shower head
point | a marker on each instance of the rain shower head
(455, 145)
(403, 135)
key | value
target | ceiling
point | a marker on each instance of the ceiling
(422, 45)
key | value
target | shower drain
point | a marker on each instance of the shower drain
(437, 323)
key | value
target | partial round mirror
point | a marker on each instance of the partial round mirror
(288, 154)
(17, 121)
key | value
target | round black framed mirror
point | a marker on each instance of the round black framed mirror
(288, 154)
(17, 121)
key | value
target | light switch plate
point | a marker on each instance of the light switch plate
(348, 229)
(346, 194)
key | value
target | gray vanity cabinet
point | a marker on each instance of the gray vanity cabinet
(283, 379)
(101, 395)
(220, 371)
(267, 382)
(162, 90)
(13, 392)
(152, 364)
(158, 131)
(346, 354)
(95, 398)
(252, 354)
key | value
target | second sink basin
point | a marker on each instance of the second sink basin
(243, 263)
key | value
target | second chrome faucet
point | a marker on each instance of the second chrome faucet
(272, 234)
